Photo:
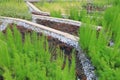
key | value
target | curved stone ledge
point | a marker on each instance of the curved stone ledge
(35, 10)
(60, 20)
(62, 36)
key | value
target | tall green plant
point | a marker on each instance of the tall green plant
(55, 13)
(103, 55)
(29, 58)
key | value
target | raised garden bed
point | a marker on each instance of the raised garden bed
(64, 47)
(70, 26)
(71, 29)
(53, 44)
(65, 25)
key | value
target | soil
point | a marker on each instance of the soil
(42, 14)
(63, 47)
(71, 29)
(91, 7)
(79, 70)
(1, 22)
(1, 77)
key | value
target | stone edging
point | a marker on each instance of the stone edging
(35, 10)
(62, 36)
(60, 20)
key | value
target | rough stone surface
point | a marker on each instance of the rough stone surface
(35, 10)
(87, 66)
(45, 30)
(66, 21)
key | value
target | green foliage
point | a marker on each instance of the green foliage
(116, 2)
(4, 52)
(74, 9)
(105, 58)
(76, 14)
(55, 13)
(85, 34)
(112, 21)
(30, 58)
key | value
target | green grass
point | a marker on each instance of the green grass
(14, 8)
(62, 6)
(30, 59)
(55, 13)
(57, 8)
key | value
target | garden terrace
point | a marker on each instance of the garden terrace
(27, 51)
(97, 16)
(65, 25)
(92, 42)
(62, 45)
(24, 23)
(55, 48)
